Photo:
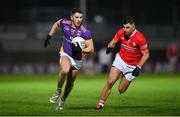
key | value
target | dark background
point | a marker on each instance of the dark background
(25, 24)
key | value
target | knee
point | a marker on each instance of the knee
(64, 72)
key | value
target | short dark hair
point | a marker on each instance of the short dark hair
(76, 10)
(128, 19)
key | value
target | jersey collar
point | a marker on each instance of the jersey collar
(133, 33)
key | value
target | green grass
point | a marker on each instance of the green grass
(149, 94)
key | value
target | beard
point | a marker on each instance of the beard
(126, 36)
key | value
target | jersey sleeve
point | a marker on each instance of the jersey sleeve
(61, 22)
(87, 35)
(118, 35)
(142, 42)
(64, 22)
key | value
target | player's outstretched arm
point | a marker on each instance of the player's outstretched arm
(54, 27)
(110, 46)
(52, 31)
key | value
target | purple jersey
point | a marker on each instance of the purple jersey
(69, 33)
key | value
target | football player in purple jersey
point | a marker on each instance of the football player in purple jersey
(70, 60)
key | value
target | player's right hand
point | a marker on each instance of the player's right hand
(47, 41)
(109, 50)
(76, 48)
(136, 71)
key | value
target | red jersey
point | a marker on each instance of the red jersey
(131, 49)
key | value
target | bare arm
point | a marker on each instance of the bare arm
(111, 44)
(52, 31)
(144, 58)
(89, 48)
(54, 27)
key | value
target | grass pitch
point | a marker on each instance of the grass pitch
(149, 94)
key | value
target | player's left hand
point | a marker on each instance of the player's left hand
(136, 71)
(47, 41)
(109, 50)
(76, 48)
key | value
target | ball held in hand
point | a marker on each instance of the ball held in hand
(80, 41)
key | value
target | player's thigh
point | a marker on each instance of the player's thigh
(64, 63)
(113, 75)
(124, 83)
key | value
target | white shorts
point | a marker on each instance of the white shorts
(75, 63)
(124, 67)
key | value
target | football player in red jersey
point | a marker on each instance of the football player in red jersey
(128, 61)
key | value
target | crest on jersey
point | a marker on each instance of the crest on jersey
(78, 34)
(79, 31)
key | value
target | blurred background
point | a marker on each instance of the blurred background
(24, 26)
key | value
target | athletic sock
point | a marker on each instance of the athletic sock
(59, 90)
(62, 101)
(101, 102)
